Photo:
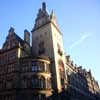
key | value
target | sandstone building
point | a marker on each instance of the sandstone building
(42, 71)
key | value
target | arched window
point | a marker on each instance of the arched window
(35, 82)
(38, 66)
(35, 66)
(61, 72)
(42, 82)
(38, 82)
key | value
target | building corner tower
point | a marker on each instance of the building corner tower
(47, 41)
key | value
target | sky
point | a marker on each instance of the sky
(79, 22)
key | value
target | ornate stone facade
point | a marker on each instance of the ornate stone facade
(42, 71)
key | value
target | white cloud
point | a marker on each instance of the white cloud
(83, 37)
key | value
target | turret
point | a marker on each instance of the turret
(44, 6)
(27, 41)
(53, 18)
(42, 17)
(27, 37)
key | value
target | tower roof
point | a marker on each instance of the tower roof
(44, 18)
(42, 12)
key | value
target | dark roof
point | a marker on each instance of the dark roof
(18, 38)
(11, 30)
(21, 41)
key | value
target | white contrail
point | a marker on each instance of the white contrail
(84, 36)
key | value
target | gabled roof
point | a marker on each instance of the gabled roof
(16, 37)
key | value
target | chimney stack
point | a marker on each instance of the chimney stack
(27, 36)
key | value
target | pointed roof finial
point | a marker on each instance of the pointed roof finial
(11, 30)
(52, 12)
(44, 6)
(26, 30)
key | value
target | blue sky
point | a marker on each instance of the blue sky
(79, 21)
